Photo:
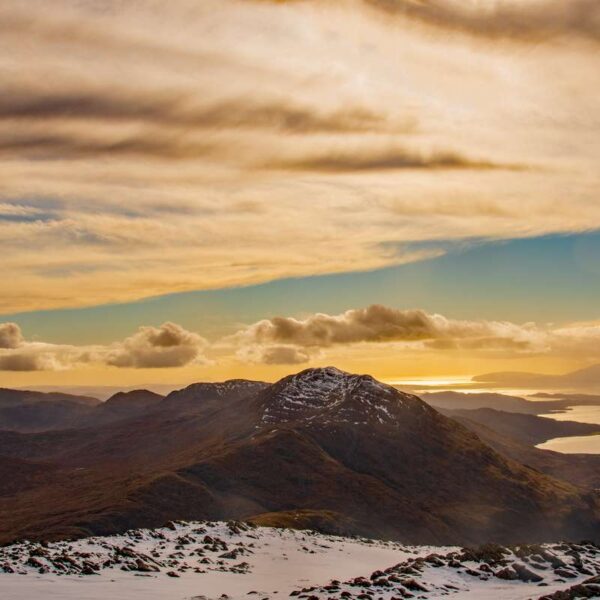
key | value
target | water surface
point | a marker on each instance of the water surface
(583, 444)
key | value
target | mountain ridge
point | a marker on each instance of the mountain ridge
(322, 442)
(587, 376)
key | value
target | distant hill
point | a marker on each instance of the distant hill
(350, 453)
(27, 411)
(452, 400)
(571, 398)
(582, 378)
(524, 428)
(552, 403)
(123, 405)
(461, 400)
(104, 392)
(23, 410)
(10, 397)
(514, 435)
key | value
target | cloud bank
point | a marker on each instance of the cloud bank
(169, 345)
(293, 340)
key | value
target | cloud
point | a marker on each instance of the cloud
(375, 323)
(158, 347)
(288, 338)
(24, 362)
(150, 132)
(190, 112)
(10, 335)
(274, 355)
(41, 356)
(293, 341)
(388, 159)
(529, 20)
(76, 125)
(62, 146)
(168, 345)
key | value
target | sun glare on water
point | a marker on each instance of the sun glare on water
(431, 381)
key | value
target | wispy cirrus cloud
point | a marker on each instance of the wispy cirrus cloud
(531, 20)
(153, 131)
(394, 158)
(179, 110)
(38, 146)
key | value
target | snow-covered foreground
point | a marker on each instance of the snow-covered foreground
(213, 560)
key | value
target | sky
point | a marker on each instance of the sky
(244, 188)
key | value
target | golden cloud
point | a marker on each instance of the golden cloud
(194, 138)
(169, 345)
(10, 336)
(299, 340)
(529, 20)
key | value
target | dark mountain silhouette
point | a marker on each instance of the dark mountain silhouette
(24, 410)
(121, 405)
(9, 397)
(322, 448)
(203, 396)
(36, 411)
(133, 399)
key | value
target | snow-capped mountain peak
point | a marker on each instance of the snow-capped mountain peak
(335, 395)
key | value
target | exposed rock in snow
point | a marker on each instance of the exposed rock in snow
(208, 560)
(336, 395)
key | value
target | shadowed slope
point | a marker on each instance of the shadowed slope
(346, 449)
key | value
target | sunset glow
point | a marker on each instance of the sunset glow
(219, 169)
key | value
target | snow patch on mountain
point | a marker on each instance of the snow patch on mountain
(334, 394)
(188, 560)
(233, 560)
(223, 388)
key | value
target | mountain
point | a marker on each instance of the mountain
(202, 396)
(9, 397)
(321, 447)
(122, 405)
(452, 400)
(552, 403)
(509, 439)
(526, 429)
(104, 392)
(570, 399)
(135, 399)
(28, 412)
(23, 410)
(582, 378)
